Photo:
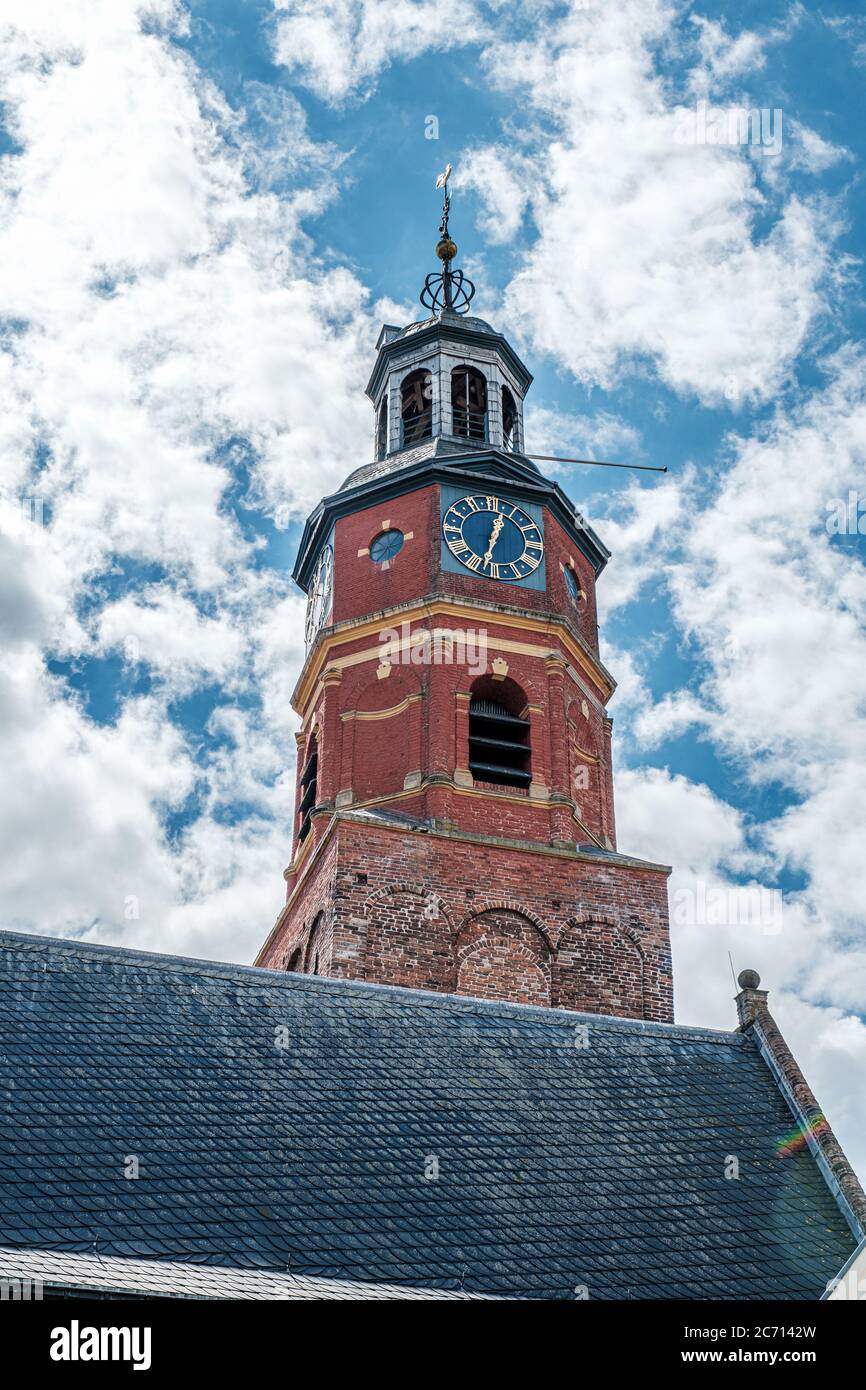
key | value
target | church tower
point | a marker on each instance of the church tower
(454, 825)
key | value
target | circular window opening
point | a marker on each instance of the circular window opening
(571, 584)
(386, 545)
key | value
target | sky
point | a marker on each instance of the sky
(209, 209)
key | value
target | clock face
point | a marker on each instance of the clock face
(493, 537)
(319, 596)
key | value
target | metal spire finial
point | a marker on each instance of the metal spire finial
(449, 289)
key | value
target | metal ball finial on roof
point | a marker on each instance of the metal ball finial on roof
(449, 289)
(748, 979)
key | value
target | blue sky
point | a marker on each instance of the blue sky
(208, 212)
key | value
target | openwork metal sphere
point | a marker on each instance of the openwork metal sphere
(452, 290)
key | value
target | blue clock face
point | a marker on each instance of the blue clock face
(493, 538)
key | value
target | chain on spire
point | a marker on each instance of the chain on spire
(449, 289)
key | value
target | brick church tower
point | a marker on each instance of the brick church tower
(454, 825)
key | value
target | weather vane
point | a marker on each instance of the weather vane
(449, 289)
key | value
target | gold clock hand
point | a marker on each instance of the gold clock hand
(494, 537)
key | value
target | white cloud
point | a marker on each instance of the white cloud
(174, 331)
(812, 152)
(851, 29)
(338, 47)
(599, 435)
(165, 631)
(723, 911)
(647, 252)
(505, 182)
(723, 55)
(640, 535)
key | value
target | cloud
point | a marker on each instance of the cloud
(338, 47)
(851, 29)
(646, 254)
(167, 632)
(723, 55)
(640, 532)
(812, 152)
(770, 598)
(593, 436)
(171, 343)
(724, 908)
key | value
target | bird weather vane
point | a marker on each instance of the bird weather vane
(442, 182)
(448, 290)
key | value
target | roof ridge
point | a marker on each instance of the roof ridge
(133, 957)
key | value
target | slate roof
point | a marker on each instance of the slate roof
(436, 447)
(559, 1164)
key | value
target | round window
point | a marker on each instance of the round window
(571, 584)
(385, 546)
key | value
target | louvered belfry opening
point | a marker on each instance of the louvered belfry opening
(510, 438)
(416, 407)
(382, 429)
(469, 403)
(499, 750)
(308, 793)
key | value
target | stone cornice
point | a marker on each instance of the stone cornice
(555, 626)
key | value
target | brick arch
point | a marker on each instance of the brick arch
(317, 949)
(585, 726)
(383, 738)
(408, 936)
(508, 905)
(501, 951)
(376, 695)
(416, 889)
(516, 690)
(600, 967)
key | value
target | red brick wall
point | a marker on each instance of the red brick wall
(362, 587)
(415, 720)
(438, 911)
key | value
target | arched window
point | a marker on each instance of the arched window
(416, 407)
(499, 748)
(294, 960)
(510, 430)
(469, 403)
(309, 780)
(382, 429)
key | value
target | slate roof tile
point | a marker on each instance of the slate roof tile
(558, 1166)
